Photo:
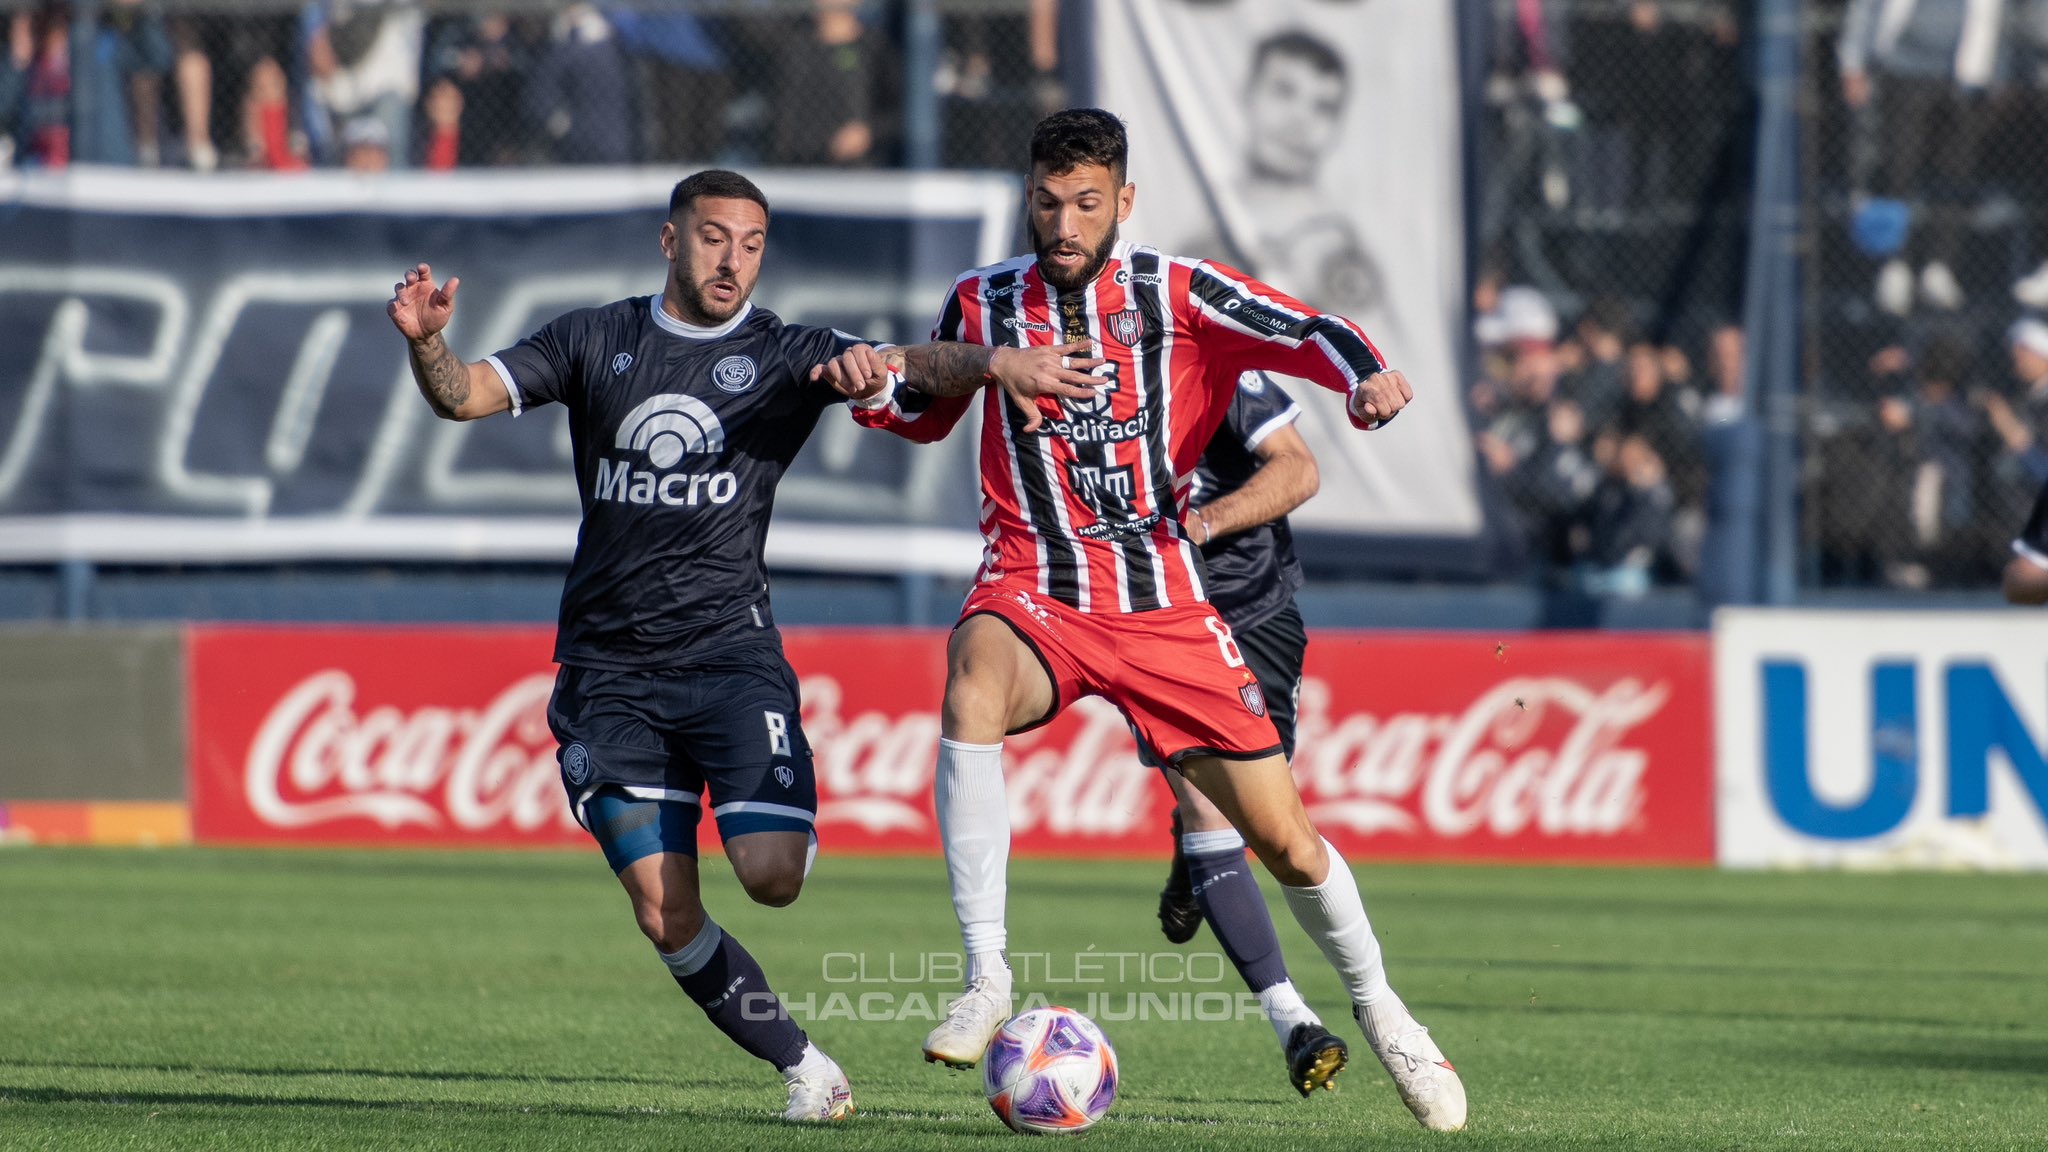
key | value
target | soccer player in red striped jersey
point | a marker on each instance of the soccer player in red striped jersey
(1090, 584)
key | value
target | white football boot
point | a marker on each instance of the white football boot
(971, 1022)
(1429, 1086)
(818, 1092)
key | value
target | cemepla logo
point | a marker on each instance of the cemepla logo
(576, 763)
(621, 362)
(670, 426)
(734, 373)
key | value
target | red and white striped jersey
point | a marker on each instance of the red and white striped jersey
(1087, 509)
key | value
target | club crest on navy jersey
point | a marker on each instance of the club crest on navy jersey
(734, 373)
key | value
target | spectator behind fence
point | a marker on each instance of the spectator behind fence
(1598, 377)
(1929, 487)
(363, 58)
(44, 116)
(581, 95)
(823, 90)
(2023, 428)
(1923, 70)
(1629, 521)
(1550, 489)
(132, 53)
(1655, 410)
(685, 84)
(1512, 410)
(475, 106)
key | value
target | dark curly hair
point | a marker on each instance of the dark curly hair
(1068, 139)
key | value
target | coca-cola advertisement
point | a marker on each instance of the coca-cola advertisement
(1539, 747)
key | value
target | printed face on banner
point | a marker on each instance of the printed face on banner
(1316, 146)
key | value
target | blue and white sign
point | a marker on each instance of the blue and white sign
(1882, 740)
(199, 368)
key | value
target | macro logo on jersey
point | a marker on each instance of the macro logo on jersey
(621, 362)
(667, 428)
(734, 373)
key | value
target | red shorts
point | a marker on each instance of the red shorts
(1175, 672)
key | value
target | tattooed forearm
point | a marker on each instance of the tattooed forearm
(442, 376)
(944, 369)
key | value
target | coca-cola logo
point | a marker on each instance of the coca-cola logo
(1491, 768)
(317, 758)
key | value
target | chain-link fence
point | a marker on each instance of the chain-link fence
(375, 84)
(1612, 204)
(1926, 381)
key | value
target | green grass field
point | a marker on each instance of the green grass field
(223, 1000)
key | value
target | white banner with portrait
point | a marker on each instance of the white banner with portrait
(1315, 144)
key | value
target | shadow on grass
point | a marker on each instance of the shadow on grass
(667, 1113)
(2021, 1058)
(1738, 971)
(444, 1077)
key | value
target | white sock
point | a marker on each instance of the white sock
(1383, 1019)
(1333, 915)
(1285, 1008)
(974, 826)
(812, 1061)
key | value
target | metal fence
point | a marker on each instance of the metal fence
(374, 84)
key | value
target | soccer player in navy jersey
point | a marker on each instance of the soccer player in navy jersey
(1255, 471)
(685, 408)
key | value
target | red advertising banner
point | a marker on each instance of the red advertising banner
(1546, 747)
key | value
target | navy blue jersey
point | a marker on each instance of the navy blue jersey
(1253, 574)
(680, 436)
(2032, 542)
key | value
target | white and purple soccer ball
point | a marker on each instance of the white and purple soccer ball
(1050, 1070)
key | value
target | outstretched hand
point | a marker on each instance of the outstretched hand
(417, 307)
(1379, 398)
(1025, 374)
(859, 373)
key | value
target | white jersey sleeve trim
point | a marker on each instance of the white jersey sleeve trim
(2030, 554)
(511, 389)
(1276, 422)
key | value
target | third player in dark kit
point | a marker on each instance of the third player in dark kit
(685, 408)
(1255, 471)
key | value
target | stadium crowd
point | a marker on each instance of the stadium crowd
(1612, 208)
(377, 84)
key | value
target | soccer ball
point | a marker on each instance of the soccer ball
(1050, 1070)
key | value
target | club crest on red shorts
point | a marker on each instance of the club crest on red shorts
(1254, 700)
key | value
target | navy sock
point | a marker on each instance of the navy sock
(724, 980)
(1237, 914)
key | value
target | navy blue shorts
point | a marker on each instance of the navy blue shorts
(666, 738)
